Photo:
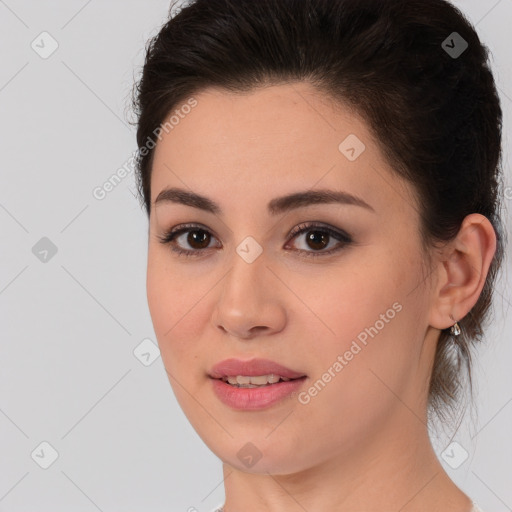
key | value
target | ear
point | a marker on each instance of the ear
(462, 270)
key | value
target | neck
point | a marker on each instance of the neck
(396, 470)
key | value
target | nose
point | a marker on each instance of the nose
(250, 303)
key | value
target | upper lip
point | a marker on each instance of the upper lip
(251, 368)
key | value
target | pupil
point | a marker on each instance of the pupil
(194, 238)
(321, 239)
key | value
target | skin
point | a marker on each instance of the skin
(361, 444)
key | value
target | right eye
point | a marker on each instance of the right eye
(196, 236)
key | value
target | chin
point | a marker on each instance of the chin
(269, 456)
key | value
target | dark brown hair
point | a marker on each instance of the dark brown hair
(435, 114)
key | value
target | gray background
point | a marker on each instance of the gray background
(71, 324)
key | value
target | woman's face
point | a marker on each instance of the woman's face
(346, 308)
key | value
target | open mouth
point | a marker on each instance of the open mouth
(256, 392)
(262, 381)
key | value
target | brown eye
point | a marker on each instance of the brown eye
(317, 239)
(198, 239)
(187, 240)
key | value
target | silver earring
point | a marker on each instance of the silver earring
(455, 328)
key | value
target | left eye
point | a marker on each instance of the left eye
(318, 238)
(199, 238)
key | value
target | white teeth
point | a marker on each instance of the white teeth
(257, 380)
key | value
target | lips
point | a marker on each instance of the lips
(260, 397)
(251, 368)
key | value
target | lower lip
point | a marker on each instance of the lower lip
(255, 398)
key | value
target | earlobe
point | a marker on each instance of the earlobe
(463, 269)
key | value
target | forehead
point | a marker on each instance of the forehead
(270, 140)
(264, 119)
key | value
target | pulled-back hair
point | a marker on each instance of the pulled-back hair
(434, 111)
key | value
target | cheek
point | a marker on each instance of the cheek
(346, 299)
(166, 299)
(177, 303)
(174, 307)
(368, 312)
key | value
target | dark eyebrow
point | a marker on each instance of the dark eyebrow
(275, 206)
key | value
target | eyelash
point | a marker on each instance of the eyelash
(342, 237)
